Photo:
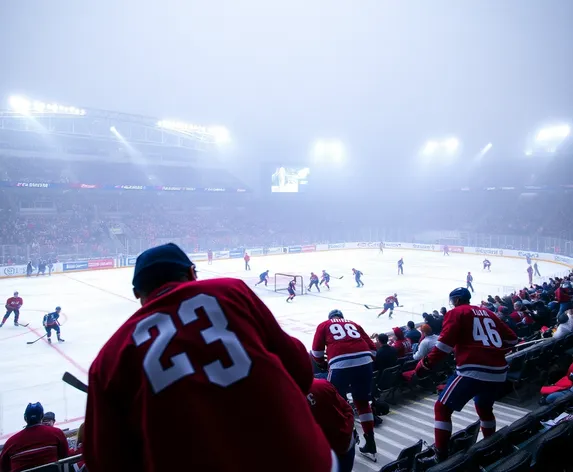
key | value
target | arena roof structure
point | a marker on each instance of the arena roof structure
(24, 114)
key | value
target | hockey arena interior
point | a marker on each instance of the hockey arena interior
(311, 293)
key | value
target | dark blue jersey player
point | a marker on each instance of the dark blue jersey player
(51, 322)
(401, 266)
(264, 277)
(325, 279)
(313, 281)
(291, 290)
(357, 276)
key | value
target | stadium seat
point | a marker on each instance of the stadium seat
(519, 461)
(473, 430)
(45, 468)
(408, 454)
(545, 413)
(564, 402)
(459, 462)
(409, 365)
(424, 460)
(387, 382)
(515, 374)
(491, 449)
(396, 466)
(551, 448)
(67, 465)
(523, 429)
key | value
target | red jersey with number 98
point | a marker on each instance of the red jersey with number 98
(346, 343)
(479, 340)
(182, 385)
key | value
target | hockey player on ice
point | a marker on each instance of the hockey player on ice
(13, 305)
(357, 276)
(313, 281)
(389, 305)
(51, 322)
(487, 265)
(401, 266)
(325, 279)
(263, 278)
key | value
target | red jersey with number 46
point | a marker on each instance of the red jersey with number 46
(346, 343)
(479, 340)
(182, 385)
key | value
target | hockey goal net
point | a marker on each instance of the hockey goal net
(282, 281)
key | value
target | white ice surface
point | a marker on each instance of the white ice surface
(96, 303)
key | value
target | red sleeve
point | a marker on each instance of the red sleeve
(447, 340)
(368, 341)
(63, 448)
(319, 344)
(104, 429)
(289, 350)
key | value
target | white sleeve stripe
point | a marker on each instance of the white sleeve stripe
(444, 347)
(317, 353)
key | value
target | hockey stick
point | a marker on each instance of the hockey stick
(373, 307)
(75, 382)
(41, 337)
(337, 278)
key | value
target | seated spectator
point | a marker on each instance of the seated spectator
(564, 385)
(79, 445)
(443, 311)
(336, 419)
(520, 314)
(49, 418)
(412, 333)
(35, 445)
(434, 322)
(565, 324)
(563, 296)
(426, 345)
(386, 355)
(401, 343)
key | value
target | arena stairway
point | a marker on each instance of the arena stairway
(412, 420)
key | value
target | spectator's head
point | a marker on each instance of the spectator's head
(34, 413)
(335, 314)
(49, 418)
(80, 438)
(426, 329)
(398, 333)
(383, 339)
(443, 310)
(158, 266)
(411, 325)
(460, 296)
(518, 305)
(435, 313)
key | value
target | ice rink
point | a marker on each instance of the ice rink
(95, 304)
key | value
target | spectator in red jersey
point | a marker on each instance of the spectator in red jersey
(13, 305)
(402, 344)
(192, 347)
(563, 296)
(520, 315)
(35, 445)
(562, 387)
(335, 417)
(79, 445)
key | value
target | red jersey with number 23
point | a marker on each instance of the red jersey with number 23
(346, 343)
(479, 340)
(185, 383)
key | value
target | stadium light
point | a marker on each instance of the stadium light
(219, 134)
(25, 106)
(441, 147)
(547, 140)
(329, 149)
